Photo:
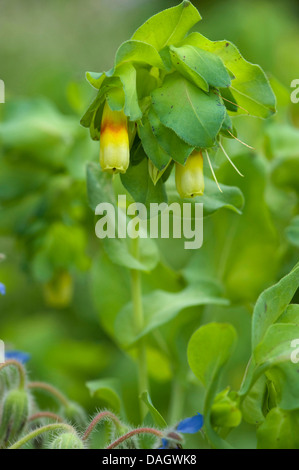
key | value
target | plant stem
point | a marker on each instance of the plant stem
(177, 402)
(104, 415)
(38, 431)
(138, 324)
(52, 390)
(21, 370)
(126, 436)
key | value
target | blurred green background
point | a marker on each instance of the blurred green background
(57, 283)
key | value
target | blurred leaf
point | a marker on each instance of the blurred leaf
(161, 307)
(119, 250)
(279, 430)
(106, 390)
(292, 231)
(209, 349)
(213, 200)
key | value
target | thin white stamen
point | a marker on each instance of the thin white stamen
(214, 176)
(230, 161)
(243, 143)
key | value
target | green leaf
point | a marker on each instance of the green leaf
(137, 51)
(169, 26)
(280, 430)
(115, 98)
(169, 140)
(106, 390)
(157, 417)
(292, 232)
(209, 349)
(274, 352)
(161, 307)
(229, 100)
(251, 87)
(213, 200)
(127, 74)
(252, 405)
(201, 67)
(271, 304)
(138, 183)
(150, 144)
(119, 250)
(193, 115)
(95, 79)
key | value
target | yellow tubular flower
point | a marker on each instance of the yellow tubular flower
(114, 141)
(189, 179)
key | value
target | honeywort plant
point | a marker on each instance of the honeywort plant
(166, 102)
(267, 398)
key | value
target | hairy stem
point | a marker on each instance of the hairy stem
(104, 415)
(138, 324)
(135, 432)
(21, 370)
(50, 389)
(45, 414)
(39, 431)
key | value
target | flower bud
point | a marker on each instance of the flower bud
(75, 414)
(14, 415)
(189, 178)
(114, 141)
(67, 440)
(225, 411)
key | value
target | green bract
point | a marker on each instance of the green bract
(179, 89)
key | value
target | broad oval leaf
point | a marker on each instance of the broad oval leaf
(195, 116)
(209, 349)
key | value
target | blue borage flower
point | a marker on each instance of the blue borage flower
(186, 426)
(164, 443)
(190, 425)
(17, 356)
(2, 289)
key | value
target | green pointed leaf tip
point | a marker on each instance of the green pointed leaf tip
(157, 417)
(169, 26)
